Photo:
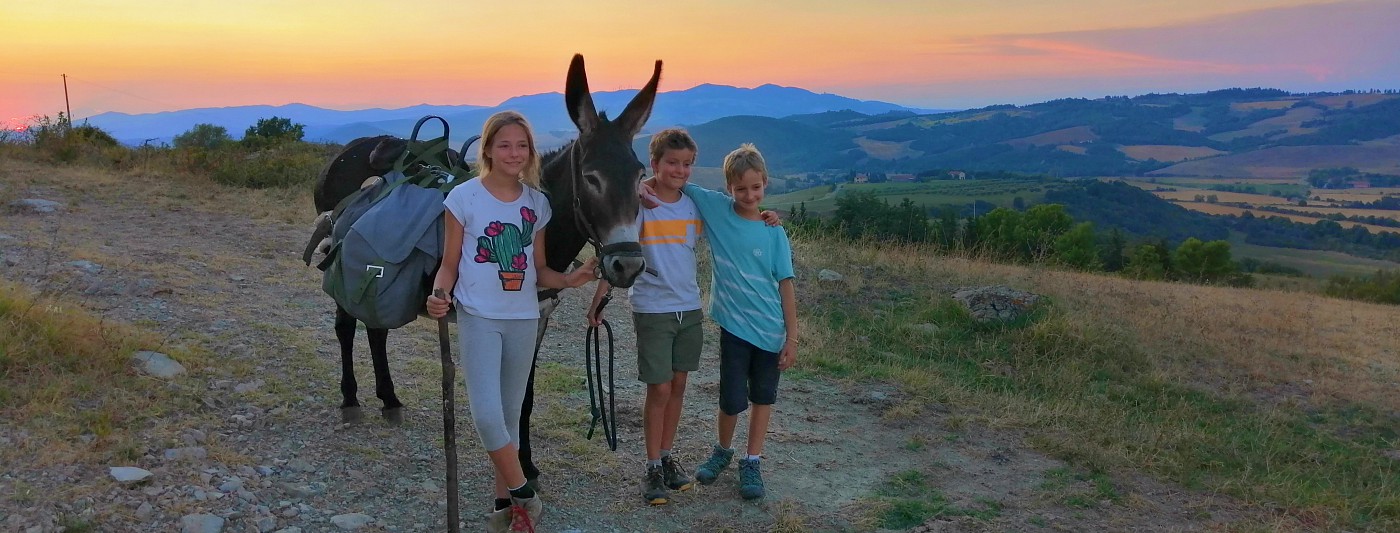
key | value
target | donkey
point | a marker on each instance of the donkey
(592, 185)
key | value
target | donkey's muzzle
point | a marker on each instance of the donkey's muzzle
(621, 263)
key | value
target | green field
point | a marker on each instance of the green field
(1317, 263)
(933, 194)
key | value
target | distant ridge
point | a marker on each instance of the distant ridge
(697, 105)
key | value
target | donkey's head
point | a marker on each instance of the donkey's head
(607, 172)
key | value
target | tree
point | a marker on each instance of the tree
(207, 136)
(1203, 262)
(1077, 249)
(275, 130)
(1040, 226)
(1149, 261)
(1112, 256)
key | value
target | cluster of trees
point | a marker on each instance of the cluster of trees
(1043, 233)
(1347, 177)
(1382, 287)
(266, 132)
(1321, 235)
(270, 154)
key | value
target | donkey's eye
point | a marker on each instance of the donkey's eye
(593, 181)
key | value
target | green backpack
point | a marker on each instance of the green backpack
(387, 238)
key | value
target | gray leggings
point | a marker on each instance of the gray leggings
(496, 359)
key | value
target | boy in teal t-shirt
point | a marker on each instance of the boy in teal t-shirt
(752, 286)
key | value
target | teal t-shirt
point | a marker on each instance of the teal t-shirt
(750, 259)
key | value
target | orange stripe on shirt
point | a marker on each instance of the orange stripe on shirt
(664, 240)
(669, 228)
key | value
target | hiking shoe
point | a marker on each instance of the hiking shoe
(525, 513)
(498, 521)
(674, 474)
(654, 486)
(750, 480)
(708, 471)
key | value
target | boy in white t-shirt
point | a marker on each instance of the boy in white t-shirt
(666, 309)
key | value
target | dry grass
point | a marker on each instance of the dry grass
(1168, 153)
(1357, 100)
(1356, 195)
(70, 392)
(1189, 195)
(160, 189)
(1269, 104)
(1217, 209)
(1068, 135)
(1267, 395)
(886, 149)
(1346, 211)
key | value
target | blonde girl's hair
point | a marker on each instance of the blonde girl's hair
(741, 160)
(670, 139)
(530, 175)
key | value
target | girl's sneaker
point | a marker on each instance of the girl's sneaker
(525, 513)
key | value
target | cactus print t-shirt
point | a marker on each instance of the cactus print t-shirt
(496, 275)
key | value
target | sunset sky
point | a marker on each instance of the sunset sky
(139, 56)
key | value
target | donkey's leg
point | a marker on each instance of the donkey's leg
(527, 465)
(345, 333)
(532, 473)
(383, 383)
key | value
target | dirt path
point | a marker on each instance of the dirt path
(237, 288)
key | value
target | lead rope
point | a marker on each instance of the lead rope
(593, 363)
(606, 413)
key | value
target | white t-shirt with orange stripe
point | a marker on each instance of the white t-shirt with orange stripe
(669, 234)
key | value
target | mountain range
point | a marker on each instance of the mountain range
(694, 106)
(1235, 133)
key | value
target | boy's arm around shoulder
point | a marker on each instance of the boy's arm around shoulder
(787, 291)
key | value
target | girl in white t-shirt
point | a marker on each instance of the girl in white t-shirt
(499, 219)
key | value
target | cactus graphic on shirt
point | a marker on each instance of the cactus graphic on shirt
(504, 244)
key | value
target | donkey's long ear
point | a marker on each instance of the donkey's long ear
(639, 109)
(578, 99)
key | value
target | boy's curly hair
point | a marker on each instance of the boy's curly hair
(670, 139)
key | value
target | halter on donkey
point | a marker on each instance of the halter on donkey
(593, 179)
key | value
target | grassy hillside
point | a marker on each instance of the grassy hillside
(1276, 398)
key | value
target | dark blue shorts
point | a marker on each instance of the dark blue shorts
(747, 374)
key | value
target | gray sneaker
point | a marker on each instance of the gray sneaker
(708, 471)
(654, 486)
(750, 479)
(498, 521)
(525, 513)
(674, 474)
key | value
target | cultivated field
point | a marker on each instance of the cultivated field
(1217, 209)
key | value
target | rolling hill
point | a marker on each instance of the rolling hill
(1248, 133)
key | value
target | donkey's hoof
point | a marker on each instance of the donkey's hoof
(533, 483)
(351, 414)
(392, 415)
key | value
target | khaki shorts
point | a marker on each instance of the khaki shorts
(667, 343)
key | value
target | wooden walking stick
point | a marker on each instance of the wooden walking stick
(449, 418)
